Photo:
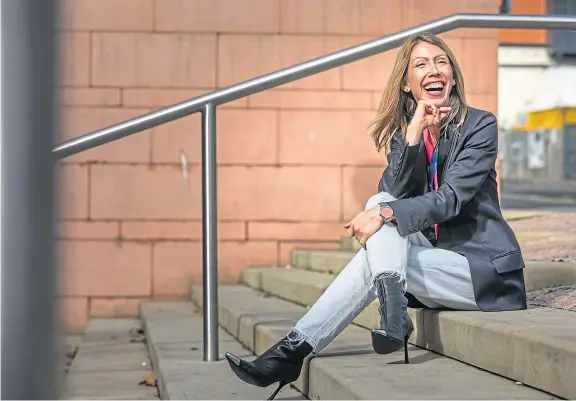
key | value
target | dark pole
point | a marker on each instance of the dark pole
(29, 275)
(506, 7)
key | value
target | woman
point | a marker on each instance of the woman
(433, 236)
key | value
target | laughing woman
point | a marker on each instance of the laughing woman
(432, 237)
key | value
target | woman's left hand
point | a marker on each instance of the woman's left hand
(364, 224)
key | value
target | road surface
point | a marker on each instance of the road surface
(534, 202)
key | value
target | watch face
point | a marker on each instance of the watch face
(386, 210)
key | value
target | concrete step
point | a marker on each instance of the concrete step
(348, 368)
(537, 274)
(174, 338)
(536, 347)
(349, 244)
(110, 362)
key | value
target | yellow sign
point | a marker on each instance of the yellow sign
(547, 119)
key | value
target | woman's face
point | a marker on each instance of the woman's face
(430, 75)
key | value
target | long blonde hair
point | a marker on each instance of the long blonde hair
(397, 107)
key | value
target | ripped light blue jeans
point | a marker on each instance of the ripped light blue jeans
(436, 277)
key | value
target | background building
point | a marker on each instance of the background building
(537, 97)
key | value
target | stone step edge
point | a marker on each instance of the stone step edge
(323, 378)
(464, 336)
(145, 314)
(537, 274)
(173, 332)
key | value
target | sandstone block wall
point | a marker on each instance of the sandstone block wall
(294, 162)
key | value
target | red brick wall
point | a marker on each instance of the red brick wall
(294, 162)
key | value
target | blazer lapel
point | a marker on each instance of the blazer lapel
(420, 168)
(445, 147)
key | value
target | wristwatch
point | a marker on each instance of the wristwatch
(386, 212)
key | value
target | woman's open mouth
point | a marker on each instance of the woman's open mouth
(435, 89)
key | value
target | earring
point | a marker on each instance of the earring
(406, 90)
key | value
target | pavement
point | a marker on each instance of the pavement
(545, 235)
(562, 297)
(565, 189)
(538, 195)
(110, 362)
(536, 202)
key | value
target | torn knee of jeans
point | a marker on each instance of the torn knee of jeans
(394, 277)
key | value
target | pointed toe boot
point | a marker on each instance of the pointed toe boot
(282, 363)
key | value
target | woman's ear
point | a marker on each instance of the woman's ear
(405, 87)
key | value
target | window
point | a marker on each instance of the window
(562, 42)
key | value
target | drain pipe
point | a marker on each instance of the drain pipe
(506, 7)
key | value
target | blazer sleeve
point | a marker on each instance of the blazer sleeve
(461, 182)
(397, 176)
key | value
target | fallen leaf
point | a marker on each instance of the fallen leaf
(71, 353)
(150, 380)
(134, 331)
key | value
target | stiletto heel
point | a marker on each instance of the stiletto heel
(406, 350)
(282, 384)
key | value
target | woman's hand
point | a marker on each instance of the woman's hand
(427, 114)
(364, 224)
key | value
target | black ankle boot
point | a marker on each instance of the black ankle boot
(281, 363)
(395, 323)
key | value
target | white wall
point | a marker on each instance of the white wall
(520, 74)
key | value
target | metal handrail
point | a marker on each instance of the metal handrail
(206, 104)
(306, 69)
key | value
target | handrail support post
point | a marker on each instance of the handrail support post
(209, 234)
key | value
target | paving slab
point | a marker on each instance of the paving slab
(117, 385)
(349, 369)
(110, 362)
(174, 337)
(536, 346)
(111, 357)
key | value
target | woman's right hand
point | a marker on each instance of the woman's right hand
(427, 114)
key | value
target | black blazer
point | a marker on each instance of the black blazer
(465, 207)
